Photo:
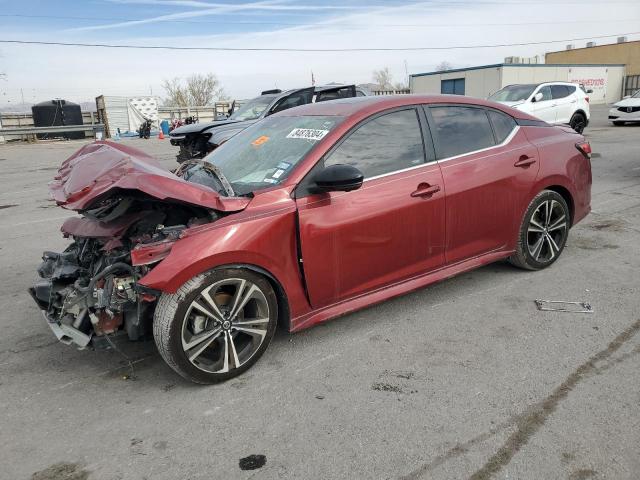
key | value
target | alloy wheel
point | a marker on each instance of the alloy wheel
(578, 123)
(225, 325)
(547, 231)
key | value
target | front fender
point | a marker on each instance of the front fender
(266, 241)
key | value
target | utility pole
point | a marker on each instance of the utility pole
(406, 73)
(22, 95)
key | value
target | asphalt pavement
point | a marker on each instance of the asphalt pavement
(462, 380)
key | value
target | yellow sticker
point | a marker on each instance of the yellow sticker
(260, 140)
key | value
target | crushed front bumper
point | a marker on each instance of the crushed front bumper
(67, 334)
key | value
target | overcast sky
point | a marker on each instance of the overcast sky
(80, 74)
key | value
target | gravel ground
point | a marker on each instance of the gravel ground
(465, 379)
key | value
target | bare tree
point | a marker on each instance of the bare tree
(444, 65)
(383, 78)
(197, 90)
(176, 94)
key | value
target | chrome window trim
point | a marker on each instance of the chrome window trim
(505, 142)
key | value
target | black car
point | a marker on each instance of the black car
(197, 140)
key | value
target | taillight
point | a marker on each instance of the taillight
(587, 99)
(584, 148)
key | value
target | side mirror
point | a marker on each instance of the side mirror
(338, 178)
(590, 91)
(537, 97)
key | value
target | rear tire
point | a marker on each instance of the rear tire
(578, 122)
(543, 233)
(217, 325)
(618, 124)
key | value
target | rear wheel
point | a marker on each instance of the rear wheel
(216, 325)
(578, 122)
(543, 233)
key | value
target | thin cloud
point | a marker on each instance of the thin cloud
(217, 10)
(272, 6)
(207, 9)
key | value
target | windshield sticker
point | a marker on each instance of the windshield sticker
(284, 165)
(308, 133)
(270, 180)
(277, 174)
(260, 140)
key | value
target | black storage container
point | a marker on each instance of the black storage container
(54, 113)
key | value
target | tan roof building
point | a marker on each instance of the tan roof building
(627, 53)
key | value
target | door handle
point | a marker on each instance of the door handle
(425, 190)
(525, 161)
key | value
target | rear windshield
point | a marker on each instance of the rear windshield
(513, 93)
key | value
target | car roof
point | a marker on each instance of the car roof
(357, 106)
(323, 88)
(569, 84)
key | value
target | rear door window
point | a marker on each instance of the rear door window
(461, 130)
(559, 91)
(502, 123)
(300, 97)
(344, 92)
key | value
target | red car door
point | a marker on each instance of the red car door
(390, 229)
(488, 167)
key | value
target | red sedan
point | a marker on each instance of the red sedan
(307, 215)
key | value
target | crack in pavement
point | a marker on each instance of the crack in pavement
(532, 419)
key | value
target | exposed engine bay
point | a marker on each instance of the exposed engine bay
(89, 290)
(132, 211)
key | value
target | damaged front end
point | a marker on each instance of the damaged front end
(90, 290)
(132, 212)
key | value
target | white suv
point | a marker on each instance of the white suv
(557, 103)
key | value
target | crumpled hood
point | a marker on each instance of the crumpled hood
(100, 167)
(199, 127)
(628, 102)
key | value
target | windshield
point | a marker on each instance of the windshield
(513, 93)
(264, 154)
(253, 108)
(636, 95)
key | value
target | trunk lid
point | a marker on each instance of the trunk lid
(102, 168)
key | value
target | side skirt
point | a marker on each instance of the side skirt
(394, 290)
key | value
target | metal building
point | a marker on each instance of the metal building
(606, 80)
(620, 52)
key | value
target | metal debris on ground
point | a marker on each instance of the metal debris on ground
(562, 306)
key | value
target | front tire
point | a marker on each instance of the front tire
(618, 124)
(578, 122)
(217, 325)
(543, 233)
